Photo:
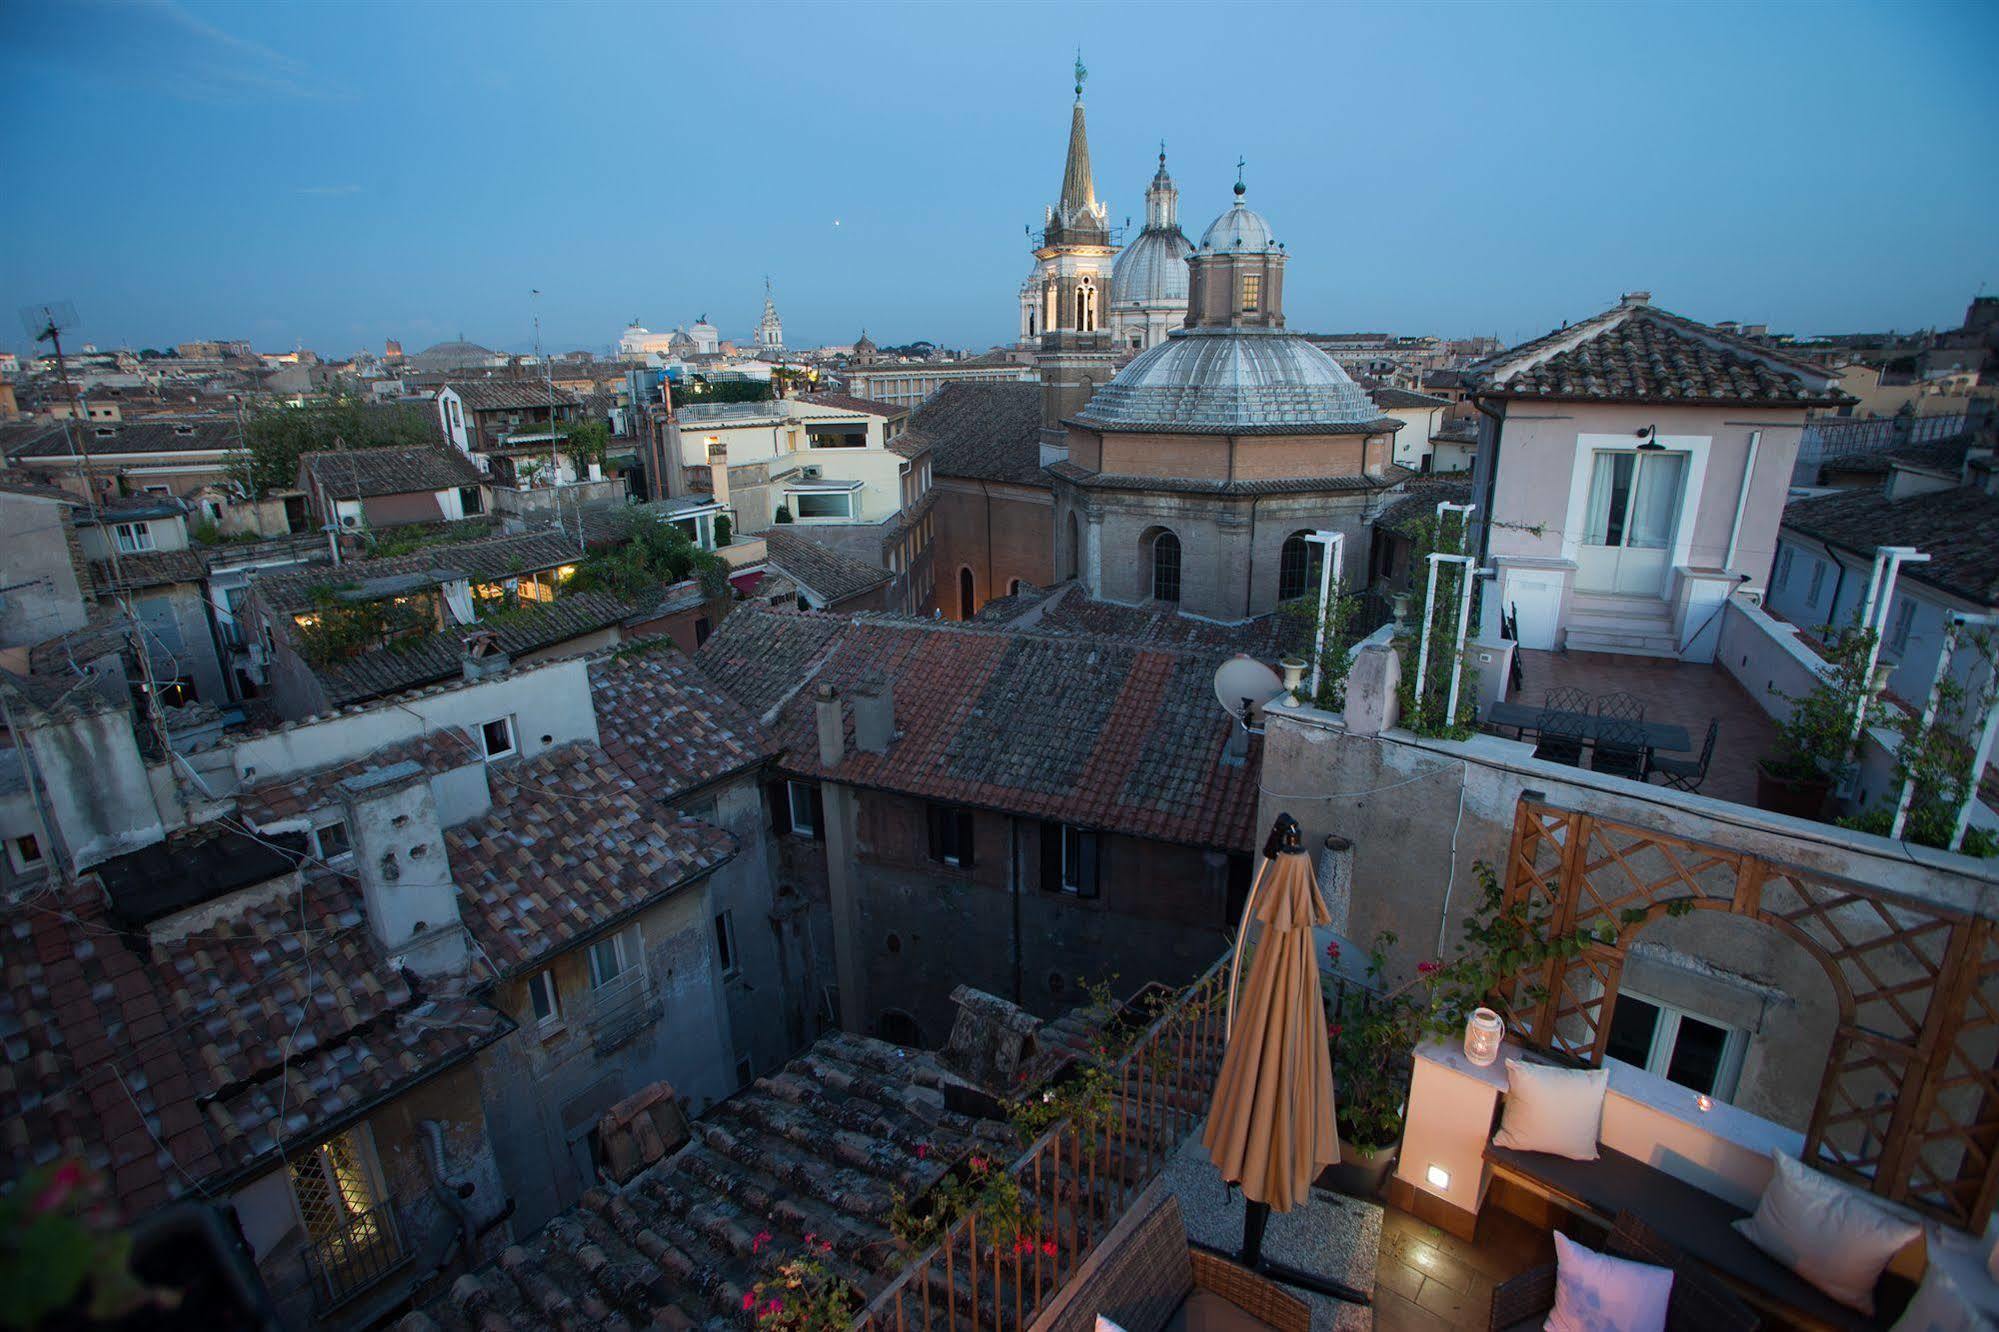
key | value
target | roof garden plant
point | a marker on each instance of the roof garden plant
(1425, 702)
(1816, 742)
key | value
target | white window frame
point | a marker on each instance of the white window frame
(542, 984)
(1666, 1037)
(133, 538)
(513, 746)
(795, 793)
(21, 863)
(725, 936)
(319, 850)
(845, 497)
(1072, 865)
(630, 956)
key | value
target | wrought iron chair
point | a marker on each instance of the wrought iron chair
(1620, 706)
(1569, 700)
(1688, 774)
(1560, 738)
(1620, 750)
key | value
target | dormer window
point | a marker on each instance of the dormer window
(107, 432)
(1252, 292)
(183, 430)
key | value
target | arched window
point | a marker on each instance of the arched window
(1013, 588)
(1166, 567)
(964, 594)
(1050, 314)
(1298, 566)
(1086, 306)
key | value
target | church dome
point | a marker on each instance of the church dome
(1241, 228)
(1152, 270)
(1231, 381)
(453, 355)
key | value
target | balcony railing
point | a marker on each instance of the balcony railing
(361, 1251)
(619, 1011)
(1075, 1181)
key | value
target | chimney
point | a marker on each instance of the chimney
(1635, 298)
(399, 857)
(718, 471)
(874, 715)
(832, 727)
(480, 656)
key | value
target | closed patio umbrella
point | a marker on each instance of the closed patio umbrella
(1270, 1129)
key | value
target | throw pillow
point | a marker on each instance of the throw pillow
(1939, 1306)
(1106, 1325)
(1595, 1292)
(1828, 1233)
(1553, 1110)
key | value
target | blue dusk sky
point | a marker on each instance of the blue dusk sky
(334, 174)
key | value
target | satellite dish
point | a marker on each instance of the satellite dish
(1244, 684)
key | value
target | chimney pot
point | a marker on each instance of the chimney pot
(832, 727)
(874, 716)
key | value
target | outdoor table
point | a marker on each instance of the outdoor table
(1527, 717)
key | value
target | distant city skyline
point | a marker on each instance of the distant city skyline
(294, 175)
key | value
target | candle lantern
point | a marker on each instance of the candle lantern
(1482, 1036)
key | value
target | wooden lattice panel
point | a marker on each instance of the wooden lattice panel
(1909, 1102)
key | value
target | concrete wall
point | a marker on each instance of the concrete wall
(546, 1088)
(395, 510)
(1421, 812)
(100, 798)
(48, 592)
(180, 640)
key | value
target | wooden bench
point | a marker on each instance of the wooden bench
(1699, 1224)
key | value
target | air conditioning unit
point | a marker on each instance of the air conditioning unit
(811, 473)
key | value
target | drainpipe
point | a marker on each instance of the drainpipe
(1888, 561)
(1742, 498)
(450, 1193)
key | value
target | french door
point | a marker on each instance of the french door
(1634, 506)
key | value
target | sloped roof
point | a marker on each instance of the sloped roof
(481, 559)
(361, 473)
(1640, 353)
(161, 1066)
(847, 402)
(500, 395)
(819, 568)
(761, 662)
(1071, 611)
(568, 850)
(435, 751)
(1095, 731)
(667, 726)
(987, 432)
(185, 434)
(1392, 398)
(158, 568)
(1958, 529)
(1422, 500)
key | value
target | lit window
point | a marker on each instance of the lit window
(1252, 292)
(498, 736)
(725, 943)
(133, 538)
(543, 999)
(331, 840)
(26, 852)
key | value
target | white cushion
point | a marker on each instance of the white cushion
(1938, 1306)
(1828, 1233)
(1966, 1258)
(1595, 1292)
(1106, 1325)
(1553, 1110)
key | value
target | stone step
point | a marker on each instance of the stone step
(1621, 642)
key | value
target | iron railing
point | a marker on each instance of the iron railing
(619, 1011)
(361, 1251)
(999, 1271)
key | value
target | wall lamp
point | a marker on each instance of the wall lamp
(1650, 434)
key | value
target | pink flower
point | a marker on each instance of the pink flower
(1048, 1247)
(1333, 951)
(66, 1180)
(826, 1246)
(978, 1163)
(774, 1308)
(922, 1150)
(1333, 1030)
(757, 1244)
(749, 1300)
(1425, 968)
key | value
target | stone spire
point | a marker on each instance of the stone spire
(1078, 209)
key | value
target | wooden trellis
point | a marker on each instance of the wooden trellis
(1909, 1104)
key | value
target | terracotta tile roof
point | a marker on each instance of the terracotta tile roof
(1461, 431)
(567, 850)
(302, 793)
(819, 568)
(1422, 500)
(762, 661)
(1639, 353)
(410, 662)
(166, 1064)
(184, 434)
(668, 727)
(1095, 731)
(506, 395)
(159, 568)
(1070, 611)
(987, 432)
(359, 473)
(480, 559)
(1956, 528)
(28, 487)
(846, 402)
(1392, 398)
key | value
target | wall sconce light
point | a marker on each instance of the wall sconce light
(1482, 1036)
(1650, 435)
(1439, 1177)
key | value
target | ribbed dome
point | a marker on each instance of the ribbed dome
(1152, 270)
(1231, 381)
(1240, 228)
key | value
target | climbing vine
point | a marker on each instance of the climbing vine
(1426, 702)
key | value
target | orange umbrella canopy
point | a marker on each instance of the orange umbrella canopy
(1270, 1129)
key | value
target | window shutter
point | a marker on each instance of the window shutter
(965, 857)
(934, 816)
(779, 795)
(1086, 877)
(1051, 857)
(818, 814)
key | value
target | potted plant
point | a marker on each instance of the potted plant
(1815, 743)
(1372, 1035)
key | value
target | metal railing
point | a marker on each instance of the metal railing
(619, 1011)
(1074, 1182)
(360, 1251)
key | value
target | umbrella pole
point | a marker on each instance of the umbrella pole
(1255, 1216)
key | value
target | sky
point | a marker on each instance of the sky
(336, 174)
